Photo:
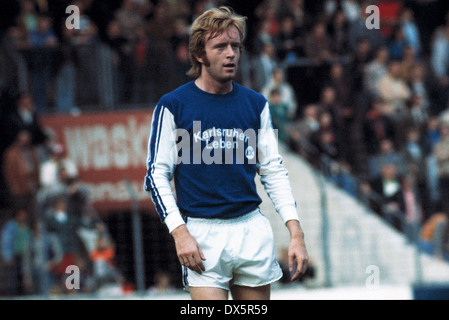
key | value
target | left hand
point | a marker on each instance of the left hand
(297, 250)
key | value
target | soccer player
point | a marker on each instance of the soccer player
(212, 136)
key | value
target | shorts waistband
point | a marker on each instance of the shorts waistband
(239, 219)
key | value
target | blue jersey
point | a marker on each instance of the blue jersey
(213, 146)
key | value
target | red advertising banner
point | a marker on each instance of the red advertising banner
(108, 148)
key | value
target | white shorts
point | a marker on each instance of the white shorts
(238, 251)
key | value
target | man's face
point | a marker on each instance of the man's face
(222, 55)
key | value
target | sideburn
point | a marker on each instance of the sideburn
(206, 61)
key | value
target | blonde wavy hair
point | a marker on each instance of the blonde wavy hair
(212, 22)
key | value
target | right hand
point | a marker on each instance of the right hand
(188, 250)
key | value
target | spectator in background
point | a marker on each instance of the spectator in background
(25, 117)
(318, 46)
(129, 19)
(88, 30)
(21, 172)
(358, 30)
(142, 87)
(441, 153)
(328, 103)
(55, 171)
(15, 236)
(351, 9)
(326, 143)
(419, 86)
(417, 114)
(288, 40)
(394, 93)
(122, 35)
(28, 17)
(104, 269)
(43, 35)
(85, 40)
(339, 81)
(440, 66)
(121, 61)
(375, 128)
(430, 137)
(408, 61)
(262, 67)
(279, 113)
(397, 43)
(356, 68)
(441, 241)
(64, 227)
(160, 26)
(301, 130)
(262, 37)
(65, 78)
(75, 191)
(43, 41)
(434, 235)
(45, 253)
(411, 206)
(414, 155)
(325, 139)
(180, 46)
(268, 11)
(375, 70)
(163, 283)
(300, 15)
(49, 169)
(388, 155)
(287, 94)
(416, 161)
(388, 186)
(197, 8)
(161, 56)
(410, 30)
(338, 32)
(430, 134)
(18, 37)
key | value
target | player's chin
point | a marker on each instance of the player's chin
(229, 76)
(229, 70)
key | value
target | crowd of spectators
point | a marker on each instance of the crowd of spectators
(47, 223)
(375, 119)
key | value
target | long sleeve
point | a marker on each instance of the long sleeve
(273, 174)
(160, 167)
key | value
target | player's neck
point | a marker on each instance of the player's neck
(214, 87)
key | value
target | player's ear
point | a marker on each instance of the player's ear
(202, 59)
(199, 59)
